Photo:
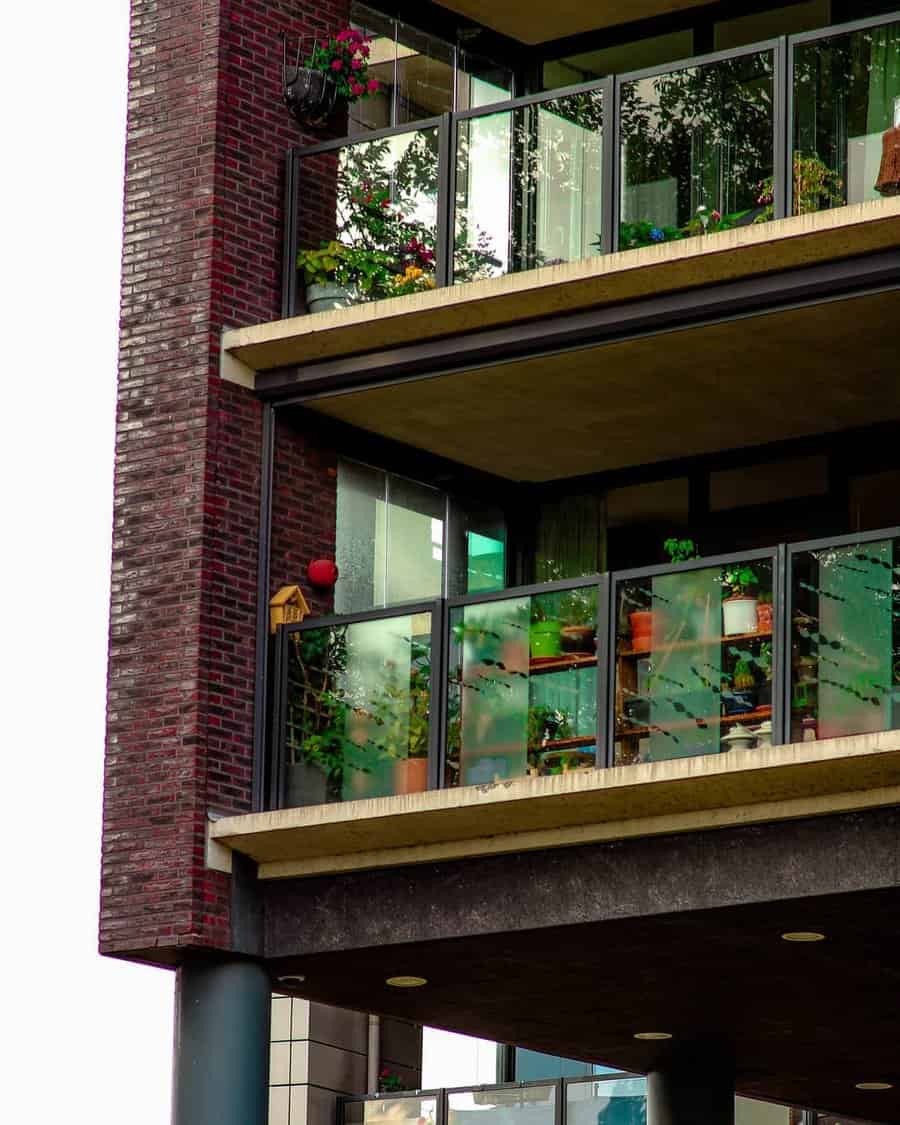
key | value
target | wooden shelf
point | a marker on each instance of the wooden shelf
(579, 757)
(749, 717)
(633, 653)
(540, 665)
(556, 745)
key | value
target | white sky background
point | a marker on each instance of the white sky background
(84, 1039)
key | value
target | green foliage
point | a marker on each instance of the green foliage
(546, 724)
(344, 57)
(816, 186)
(681, 550)
(739, 580)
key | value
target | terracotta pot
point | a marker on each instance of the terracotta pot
(410, 776)
(641, 622)
(764, 617)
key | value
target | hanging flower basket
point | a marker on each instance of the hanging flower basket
(334, 74)
(311, 96)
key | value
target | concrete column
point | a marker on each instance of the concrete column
(221, 1070)
(695, 1086)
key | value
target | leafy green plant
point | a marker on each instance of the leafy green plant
(320, 266)
(815, 186)
(739, 580)
(344, 57)
(546, 724)
(681, 550)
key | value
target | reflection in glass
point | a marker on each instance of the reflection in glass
(847, 119)
(523, 687)
(528, 187)
(694, 662)
(523, 1105)
(377, 200)
(845, 655)
(358, 708)
(697, 150)
(391, 1111)
(616, 1101)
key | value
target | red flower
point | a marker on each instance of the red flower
(364, 50)
(356, 64)
(336, 64)
(373, 86)
(356, 89)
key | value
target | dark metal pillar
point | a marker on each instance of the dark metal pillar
(221, 1073)
(695, 1086)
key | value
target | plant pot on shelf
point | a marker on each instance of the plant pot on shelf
(304, 784)
(641, 622)
(545, 638)
(325, 298)
(410, 776)
(764, 617)
(578, 638)
(311, 96)
(738, 702)
(739, 615)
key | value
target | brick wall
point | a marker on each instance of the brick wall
(202, 237)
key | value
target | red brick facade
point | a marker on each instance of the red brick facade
(207, 135)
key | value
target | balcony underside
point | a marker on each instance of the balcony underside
(533, 22)
(662, 396)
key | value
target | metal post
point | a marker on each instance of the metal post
(221, 1066)
(694, 1086)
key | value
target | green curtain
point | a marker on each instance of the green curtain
(884, 78)
(570, 538)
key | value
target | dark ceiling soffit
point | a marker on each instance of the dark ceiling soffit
(695, 308)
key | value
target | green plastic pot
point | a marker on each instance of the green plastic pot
(545, 638)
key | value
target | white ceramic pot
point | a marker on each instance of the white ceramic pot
(739, 616)
(324, 298)
(739, 738)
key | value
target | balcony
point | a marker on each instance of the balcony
(704, 154)
(577, 710)
(601, 1099)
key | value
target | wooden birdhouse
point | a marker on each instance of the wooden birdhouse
(287, 607)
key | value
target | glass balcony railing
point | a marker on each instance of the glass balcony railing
(608, 1099)
(789, 126)
(522, 686)
(356, 708)
(694, 656)
(715, 655)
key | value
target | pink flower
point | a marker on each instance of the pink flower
(356, 64)
(716, 216)
(356, 89)
(343, 36)
(373, 86)
(364, 51)
(336, 64)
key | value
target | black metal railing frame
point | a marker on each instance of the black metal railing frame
(607, 585)
(448, 124)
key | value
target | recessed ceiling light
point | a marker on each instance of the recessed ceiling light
(874, 1085)
(803, 936)
(406, 982)
(652, 1035)
(292, 981)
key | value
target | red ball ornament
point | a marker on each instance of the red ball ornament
(322, 573)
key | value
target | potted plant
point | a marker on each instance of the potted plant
(545, 632)
(578, 609)
(739, 608)
(764, 611)
(335, 74)
(337, 275)
(764, 664)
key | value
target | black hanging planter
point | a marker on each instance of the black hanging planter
(311, 96)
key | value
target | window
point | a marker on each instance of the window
(394, 542)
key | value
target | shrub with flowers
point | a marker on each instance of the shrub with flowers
(345, 59)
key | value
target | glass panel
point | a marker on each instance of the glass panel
(415, 541)
(389, 539)
(481, 82)
(528, 1105)
(535, 1066)
(477, 548)
(847, 119)
(359, 537)
(844, 641)
(375, 112)
(750, 1111)
(617, 1101)
(743, 31)
(528, 187)
(357, 711)
(694, 662)
(449, 1059)
(372, 206)
(391, 1111)
(425, 67)
(523, 687)
(697, 150)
